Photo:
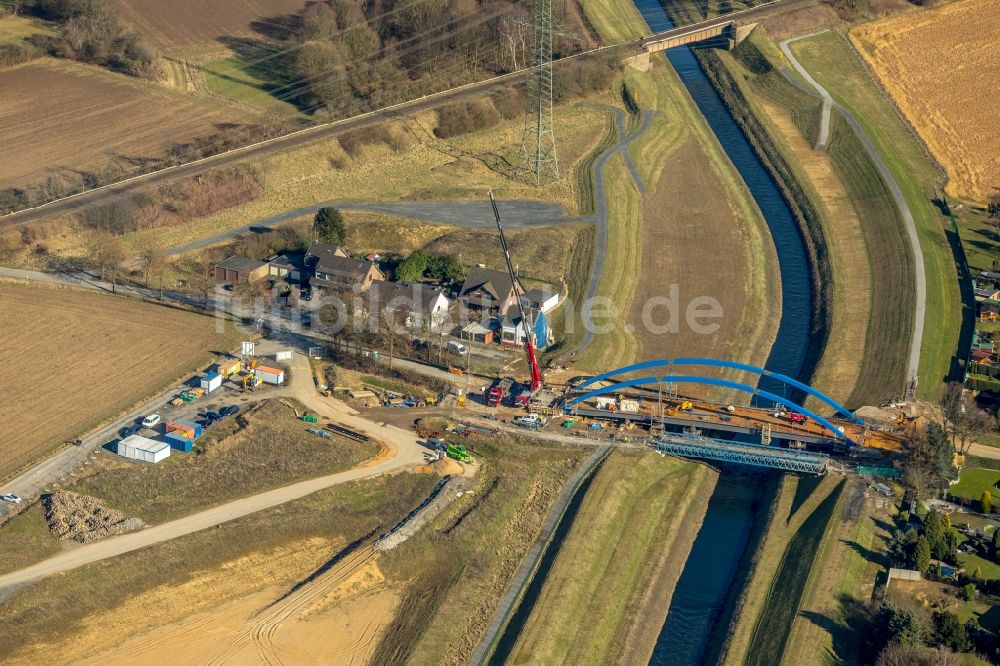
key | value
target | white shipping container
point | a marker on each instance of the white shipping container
(628, 405)
(270, 377)
(605, 403)
(142, 448)
(285, 355)
(210, 383)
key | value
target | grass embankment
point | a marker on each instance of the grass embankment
(273, 450)
(55, 619)
(25, 539)
(456, 569)
(650, 235)
(237, 79)
(73, 359)
(802, 207)
(838, 68)
(606, 596)
(770, 635)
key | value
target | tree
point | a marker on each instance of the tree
(996, 543)
(106, 253)
(152, 256)
(328, 226)
(922, 555)
(445, 269)
(986, 502)
(934, 529)
(412, 268)
(969, 591)
(993, 206)
(950, 632)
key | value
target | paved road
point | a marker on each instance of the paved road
(919, 275)
(401, 451)
(824, 121)
(286, 142)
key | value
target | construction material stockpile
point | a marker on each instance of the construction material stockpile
(84, 518)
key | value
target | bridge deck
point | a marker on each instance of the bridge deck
(707, 448)
(746, 420)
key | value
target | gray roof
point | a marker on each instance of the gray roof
(496, 283)
(539, 295)
(241, 264)
(292, 260)
(414, 295)
(345, 266)
(323, 250)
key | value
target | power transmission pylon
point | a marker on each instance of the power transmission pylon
(538, 146)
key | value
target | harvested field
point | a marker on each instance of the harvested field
(73, 359)
(89, 118)
(186, 26)
(606, 596)
(937, 65)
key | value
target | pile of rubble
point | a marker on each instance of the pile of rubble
(83, 518)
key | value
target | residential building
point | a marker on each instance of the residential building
(512, 332)
(540, 299)
(987, 294)
(319, 251)
(487, 291)
(290, 266)
(414, 305)
(989, 311)
(339, 272)
(240, 270)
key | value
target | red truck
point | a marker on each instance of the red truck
(795, 417)
(496, 393)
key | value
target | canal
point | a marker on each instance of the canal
(698, 612)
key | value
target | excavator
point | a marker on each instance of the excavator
(529, 332)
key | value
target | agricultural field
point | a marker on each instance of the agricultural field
(186, 27)
(88, 119)
(606, 596)
(936, 64)
(236, 78)
(74, 358)
(837, 67)
(250, 562)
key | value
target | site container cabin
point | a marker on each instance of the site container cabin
(185, 428)
(142, 448)
(228, 368)
(178, 441)
(211, 381)
(270, 375)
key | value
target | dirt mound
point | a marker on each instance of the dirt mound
(84, 518)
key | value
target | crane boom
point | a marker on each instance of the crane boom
(536, 374)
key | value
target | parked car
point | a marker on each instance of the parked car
(456, 347)
(128, 430)
(229, 411)
(11, 497)
(151, 421)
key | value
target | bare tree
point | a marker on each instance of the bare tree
(152, 255)
(106, 253)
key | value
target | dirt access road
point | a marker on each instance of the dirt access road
(401, 451)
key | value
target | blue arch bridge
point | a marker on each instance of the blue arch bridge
(774, 430)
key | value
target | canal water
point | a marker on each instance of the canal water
(696, 615)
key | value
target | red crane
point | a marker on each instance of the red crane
(536, 374)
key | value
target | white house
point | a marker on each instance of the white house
(414, 305)
(512, 332)
(540, 299)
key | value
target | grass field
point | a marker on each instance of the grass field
(934, 63)
(606, 595)
(989, 570)
(457, 568)
(19, 28)
(88, 118)
(232, 77)
(980, 238)
(832, 61)
(25, 539)
(73, 359)
(63, 618)
(781, 606)
(183, 27)
(273, 450)
(972, 481)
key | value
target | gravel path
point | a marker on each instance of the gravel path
(920, 277)
(824, 121)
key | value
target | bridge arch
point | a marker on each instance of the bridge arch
(689, 379)
(718, 363)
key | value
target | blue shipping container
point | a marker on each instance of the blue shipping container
(192, 424)
(179, 442)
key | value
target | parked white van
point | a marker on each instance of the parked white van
(456, 347)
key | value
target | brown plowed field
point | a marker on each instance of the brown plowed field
(182, 26)
(60, 116)
(941, 67)
(70, 359)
